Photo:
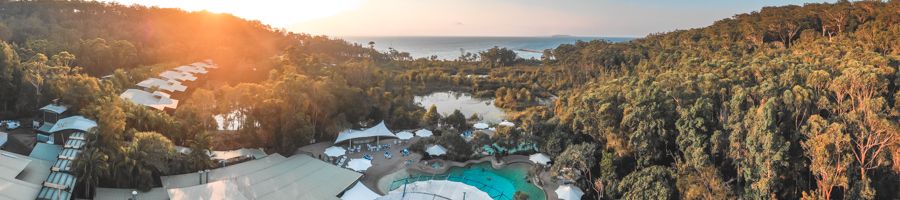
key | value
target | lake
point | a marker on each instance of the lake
(447, 102)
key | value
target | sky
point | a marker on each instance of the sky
(609, 18)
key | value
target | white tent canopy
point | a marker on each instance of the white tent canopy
(539, 158)
(360, 192)
(75, 123)
(424, 133)
(359, 164)
(569, 192)
(379, 130)
(480, 125)
(507, 123)
(335, 151)
(436, 150)
(405, 135)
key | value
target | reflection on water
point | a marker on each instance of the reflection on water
(446, 102)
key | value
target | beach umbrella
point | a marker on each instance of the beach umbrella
(507, 123)
(404, 135)
(539, 158)
(359, 192)
(436, 150)
(424, 133)
(359, 164)
(480, 125)
(569, 192)
(335, 151)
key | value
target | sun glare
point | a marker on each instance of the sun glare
(278, 13)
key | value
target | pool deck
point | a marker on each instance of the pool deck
(386, 170)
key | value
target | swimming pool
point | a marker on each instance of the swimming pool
(500, 184)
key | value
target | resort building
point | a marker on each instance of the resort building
(167, 85)
(157, 100)
(178, 76)
(192, 69)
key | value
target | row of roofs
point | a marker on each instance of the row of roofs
(156, 92)
(45, 172)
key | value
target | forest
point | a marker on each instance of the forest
(790, 102)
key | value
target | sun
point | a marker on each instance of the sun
(278, 13)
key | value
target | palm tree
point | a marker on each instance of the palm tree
(89, 166)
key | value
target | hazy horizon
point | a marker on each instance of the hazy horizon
(503, 18)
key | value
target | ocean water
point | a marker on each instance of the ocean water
(450, 48)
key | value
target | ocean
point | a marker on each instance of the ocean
(449, 48)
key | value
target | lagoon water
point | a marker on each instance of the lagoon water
(447, 102)
(450, 48)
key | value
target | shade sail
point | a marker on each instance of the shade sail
(569, 192)
(335, 151)
(359, 192)
(404, 135)
(424, 133)
(507, 123)
(436, 150)
(480, 126)
(379, 130)
(539, 158)
(73, 123)
(359, 164)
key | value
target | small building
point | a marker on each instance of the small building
(167, 85)
(177, 75)
(157, 100)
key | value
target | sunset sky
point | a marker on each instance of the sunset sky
(476, 17)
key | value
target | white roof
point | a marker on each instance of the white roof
(379, 130)
(335, 151)
(507, 123)
(231, 171)
(192, 69)
(360, 192)
(168, 85)
(205, 64)
(158, 100)
(125, 193)
(225, 155)
(73, 123)
(177, 75)
(404, 135)
(424, 133)
(12, 164)
(55, 108)
(11, 188)
(297, 177)
(436, 150)
(211, 191)
(539, 158)
(569, 192)
(480, 126)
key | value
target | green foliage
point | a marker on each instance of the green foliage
(456, 120)
(654, 182)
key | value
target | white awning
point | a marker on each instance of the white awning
(539, 158)
(480, 126)
(405, 135)
(55, 108)
(176, 75)
(569, 192)
(335, 151)
(167, 85)
(379, 130)
(360, 192)
(424, 133)
(73, 123)
(436, 150)
(359, 164)
(158, 100)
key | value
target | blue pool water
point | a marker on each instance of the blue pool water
(500, 184)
